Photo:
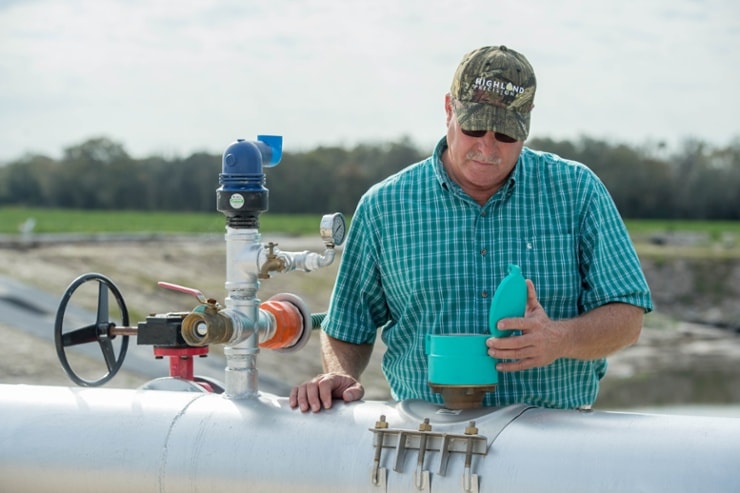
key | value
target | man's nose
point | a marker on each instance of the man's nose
(488, 142)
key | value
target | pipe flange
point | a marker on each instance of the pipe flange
(305, 315)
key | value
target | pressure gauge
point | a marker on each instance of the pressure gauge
(333, 228)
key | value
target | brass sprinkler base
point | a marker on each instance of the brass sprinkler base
(462, 396)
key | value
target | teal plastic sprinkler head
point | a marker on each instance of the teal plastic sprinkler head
(509, 300)
(460, 368)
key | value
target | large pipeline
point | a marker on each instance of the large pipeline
(77, 440)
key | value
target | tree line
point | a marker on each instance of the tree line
(696, 181)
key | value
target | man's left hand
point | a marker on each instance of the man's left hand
(538, 345)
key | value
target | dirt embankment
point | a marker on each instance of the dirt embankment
(703, 290)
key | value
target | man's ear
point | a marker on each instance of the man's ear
(448, 108)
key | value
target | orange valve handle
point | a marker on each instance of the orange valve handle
(289, 325)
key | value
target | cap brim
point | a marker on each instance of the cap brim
(484, 116)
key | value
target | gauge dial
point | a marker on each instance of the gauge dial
(333, 228)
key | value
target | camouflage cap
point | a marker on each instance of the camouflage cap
(493, 89)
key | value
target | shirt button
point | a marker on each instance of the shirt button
(483, 252)
(483, 214)
(484, 294)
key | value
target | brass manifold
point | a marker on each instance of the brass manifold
(207, 325)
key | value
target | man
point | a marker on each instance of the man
(428, 246)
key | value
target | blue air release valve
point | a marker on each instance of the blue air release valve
(242, 196)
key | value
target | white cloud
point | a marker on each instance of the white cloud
(176, 77)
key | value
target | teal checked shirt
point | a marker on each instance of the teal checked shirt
(422, 257)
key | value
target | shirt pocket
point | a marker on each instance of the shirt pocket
(551, 262)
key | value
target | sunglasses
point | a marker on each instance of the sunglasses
(497, 135)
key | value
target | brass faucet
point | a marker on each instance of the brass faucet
(273, 263)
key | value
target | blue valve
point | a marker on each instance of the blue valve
(273, 145)
(242, 196)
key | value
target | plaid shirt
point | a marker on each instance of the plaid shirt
(422, 257)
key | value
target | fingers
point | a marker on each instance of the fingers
(531, 294)
(319, 392)
(514, 353)
(306, 396)
(517, 347)
(324, 394)
(518, 365)
(299, 397)
(516, 360)
(518, 353)
(353, 393)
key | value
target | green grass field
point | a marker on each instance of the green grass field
(704, 237)
(715, 230)
(76, 221)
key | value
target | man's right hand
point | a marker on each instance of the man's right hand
(318, 393)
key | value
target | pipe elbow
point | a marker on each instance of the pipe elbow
(313, 261)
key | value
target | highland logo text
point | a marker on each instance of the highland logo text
(501, 87)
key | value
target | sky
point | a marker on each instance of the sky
(174, 77)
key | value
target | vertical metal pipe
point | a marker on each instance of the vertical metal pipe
(242, 258)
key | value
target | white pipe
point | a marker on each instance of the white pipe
(79, 440)
(305, 261)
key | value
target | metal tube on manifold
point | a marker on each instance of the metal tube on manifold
(242, 285)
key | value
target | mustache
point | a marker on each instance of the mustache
(477, 156)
